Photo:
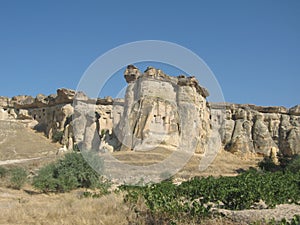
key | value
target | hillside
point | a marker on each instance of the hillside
(18, 142)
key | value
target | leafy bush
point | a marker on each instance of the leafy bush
(193, 199)
(3, 172)
(18, 177)
(47, 179)
(69, 173)
(294, 165)
(291, 164)
(268, 165)
(58, 136)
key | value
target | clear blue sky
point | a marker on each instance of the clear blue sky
(253, 47)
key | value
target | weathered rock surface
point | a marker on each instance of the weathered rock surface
(158, 109)
(261, 130)
(295, 110)
(163, 110)
(3, 114)
(4, 102)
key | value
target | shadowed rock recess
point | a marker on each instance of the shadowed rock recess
(158, 110)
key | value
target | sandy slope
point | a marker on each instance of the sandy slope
(19, 142)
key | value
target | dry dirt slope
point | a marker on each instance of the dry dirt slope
(19, 142)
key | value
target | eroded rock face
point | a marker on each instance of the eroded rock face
(295, 110)
(241, 140)
(4, 102)
(261, 130)
(262, 140)
(158, 110)
(63, 96)
(3, 114)
(163, 110)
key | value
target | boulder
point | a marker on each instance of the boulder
(41, 101)
(24, 114)
(64, 96)
(131, 73)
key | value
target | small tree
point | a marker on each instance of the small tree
(46, 179)
(69, 173)
(18, 177)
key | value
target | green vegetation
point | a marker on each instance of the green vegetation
(58, 136)
(294, 221)
(291, 164)
(268, 165)
(18, 177)
(103, 132)
(67, 174)
(3, 172)
(193, 199)
(294, 164)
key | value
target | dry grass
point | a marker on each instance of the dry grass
(143, 158)
(17, 207)
(225, 164)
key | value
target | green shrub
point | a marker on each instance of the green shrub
(268, 165)
(67, 174)
(46, 179)
(3, 172)
(58, 136)
(294, 165)
(76, 148)
(291, 164)
(18, 177)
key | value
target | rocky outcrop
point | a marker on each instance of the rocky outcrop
(63, 96)
(158, 110)
(261, 130)
(295, 111)
(163, 110)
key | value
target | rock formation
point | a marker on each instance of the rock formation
(261, 130)
(160, 109)
(157, 110)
